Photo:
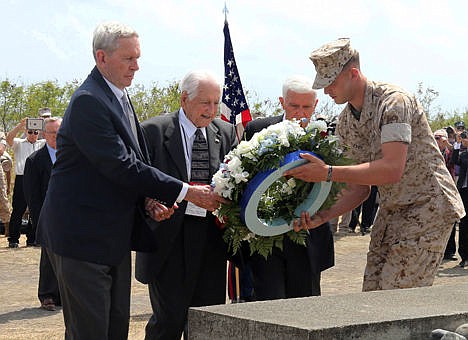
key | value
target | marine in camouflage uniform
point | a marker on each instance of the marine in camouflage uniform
(416, 214)
(387, 134)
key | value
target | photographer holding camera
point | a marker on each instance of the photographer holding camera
(22, 148)
(460, 158)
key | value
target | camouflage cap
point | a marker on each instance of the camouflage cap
(329, 61)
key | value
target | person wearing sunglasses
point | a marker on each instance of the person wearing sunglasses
(22, 148)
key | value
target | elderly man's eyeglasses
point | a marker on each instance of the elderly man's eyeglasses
(30, 132)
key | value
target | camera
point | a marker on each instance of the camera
(463, 135)
(35, 124)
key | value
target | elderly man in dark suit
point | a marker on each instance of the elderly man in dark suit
(35, 182)
(189, 266)
(97, 191)
(296, 270)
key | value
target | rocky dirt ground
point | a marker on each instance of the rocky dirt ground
(21, 317)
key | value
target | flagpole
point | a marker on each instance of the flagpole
(233, 105)
(225, 11)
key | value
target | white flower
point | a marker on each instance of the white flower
(286, 189)
(235, 164)
(244, 148)
(240, 177)
(222, 185)
(249, 236)
(291, 182)
(320, 125)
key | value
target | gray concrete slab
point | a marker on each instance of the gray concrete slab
(395, 314)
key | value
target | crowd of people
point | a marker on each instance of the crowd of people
(114, 186)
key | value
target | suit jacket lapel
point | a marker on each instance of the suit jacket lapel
(117, 109)
(173, 144)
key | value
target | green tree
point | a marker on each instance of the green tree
(12, 104)
(156, 100)
(49, 94)
(427, 96)
(262, 107)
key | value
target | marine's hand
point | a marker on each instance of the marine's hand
(306, 222)
(315, 170)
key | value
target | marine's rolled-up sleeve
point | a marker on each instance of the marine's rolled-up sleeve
(396, 132)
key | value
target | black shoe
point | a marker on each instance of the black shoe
(13, 245)
(450, 257)
(463, 263)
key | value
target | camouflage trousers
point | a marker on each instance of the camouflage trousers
(5, 207)
(406, 248)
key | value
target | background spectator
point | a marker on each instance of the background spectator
(442, 138)
(460, 157)
(35, 182)
(22, 148)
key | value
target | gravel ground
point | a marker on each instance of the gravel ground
(21, 317)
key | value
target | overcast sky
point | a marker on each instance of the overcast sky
(404, 42)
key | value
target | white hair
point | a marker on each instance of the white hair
(107, 34)
(52, 120)
(298, 84)
(191, 81)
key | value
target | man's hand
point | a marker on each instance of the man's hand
(313, 171)
(12, 134)
(158, 211)
(306, 222)
(204, 197)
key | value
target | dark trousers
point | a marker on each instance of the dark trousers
(284, 274)
(463, 228)
(95, 297)
(451, 248)
(48, 285)
(19, 206)
(369, 209)
(194, 275)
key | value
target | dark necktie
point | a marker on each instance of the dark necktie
(129, 113)
(200, 167)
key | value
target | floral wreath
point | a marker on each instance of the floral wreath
(264, 152)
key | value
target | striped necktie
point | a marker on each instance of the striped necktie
(200, 167)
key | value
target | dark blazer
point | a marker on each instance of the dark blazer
(167, 153)
(37, 171)
(99, 180)
(35, 182)
(320, 245)
(259, 124)
(461, 159)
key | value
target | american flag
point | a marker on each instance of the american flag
(234, 107)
